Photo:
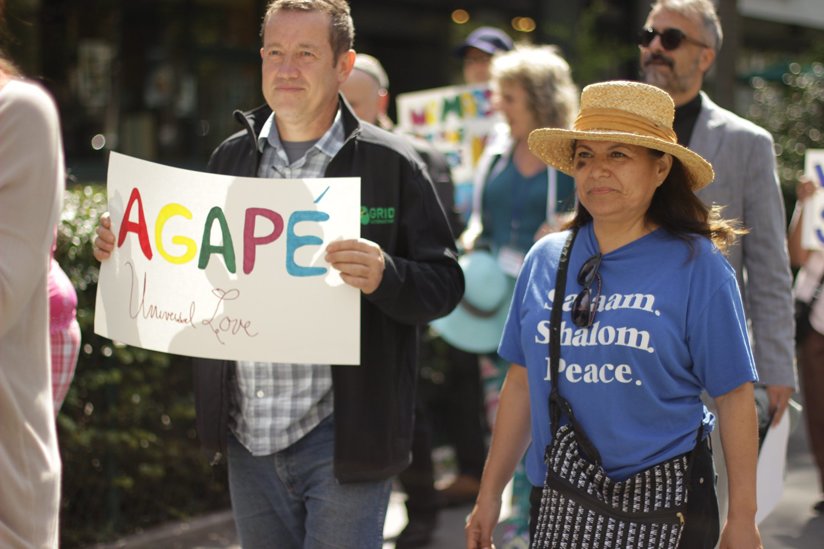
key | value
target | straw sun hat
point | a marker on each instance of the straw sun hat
(623, 112)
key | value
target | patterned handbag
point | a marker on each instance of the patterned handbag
(581, 507)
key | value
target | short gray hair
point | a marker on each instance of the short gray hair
(546, 78)
(700, 10)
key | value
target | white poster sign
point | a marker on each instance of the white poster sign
(772, 464)
(812, 229)
(228, 267)
(457, 120)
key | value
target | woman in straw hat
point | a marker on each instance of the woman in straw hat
(651, 316)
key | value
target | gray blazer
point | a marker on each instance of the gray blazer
(746, 184)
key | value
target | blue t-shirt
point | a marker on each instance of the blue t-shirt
(669, 323)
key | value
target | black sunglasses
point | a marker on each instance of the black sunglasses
(586, 303)
(670, 38)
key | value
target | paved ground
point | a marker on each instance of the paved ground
(792, 525)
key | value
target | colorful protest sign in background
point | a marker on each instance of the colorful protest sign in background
(457, 120)
(228, 267)
(812, 228)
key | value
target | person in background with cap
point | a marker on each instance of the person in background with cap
(477, 50)
(678, 45)
(367, 91)
(646, 261)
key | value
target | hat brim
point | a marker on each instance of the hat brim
(471, 333)
(485, 47)
(554, 147)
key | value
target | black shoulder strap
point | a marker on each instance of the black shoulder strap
(558, 404)
(555, 329)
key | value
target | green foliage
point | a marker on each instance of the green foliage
(793, 111)
(126, 430)
(595, 55)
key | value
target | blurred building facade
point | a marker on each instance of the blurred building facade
(158, 79)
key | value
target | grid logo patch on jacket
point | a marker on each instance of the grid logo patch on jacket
(377, 215)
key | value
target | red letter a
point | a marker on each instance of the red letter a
(127, 226)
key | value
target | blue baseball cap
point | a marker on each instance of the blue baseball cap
(487, 39)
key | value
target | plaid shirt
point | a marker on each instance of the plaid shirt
(274, 405)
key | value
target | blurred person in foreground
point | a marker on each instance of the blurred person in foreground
(31, 193)
(517, 198)
(312, 449)
(808, 288)
(646, 261)
(367, 91)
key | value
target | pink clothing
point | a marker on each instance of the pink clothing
(64, 332)
(65, 348)
(62, 299)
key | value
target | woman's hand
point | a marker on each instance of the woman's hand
(740, 534)
(510, 437)
(805, 189)
(481, 523)
(738, 428)
(558, 224)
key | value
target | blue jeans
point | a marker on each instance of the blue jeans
(291, 499)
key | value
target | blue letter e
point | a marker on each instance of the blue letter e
(294, 241)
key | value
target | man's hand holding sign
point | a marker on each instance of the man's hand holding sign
(360, 263)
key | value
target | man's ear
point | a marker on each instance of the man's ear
(706, 60)
(346, 62)
(383, 101)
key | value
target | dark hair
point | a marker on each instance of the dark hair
(5, 62)
(341, 30)
(676, 208)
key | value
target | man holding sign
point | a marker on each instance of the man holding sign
(312, 448)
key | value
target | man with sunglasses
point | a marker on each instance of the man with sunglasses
(678, 45)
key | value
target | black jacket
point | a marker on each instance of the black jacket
(422, 281)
